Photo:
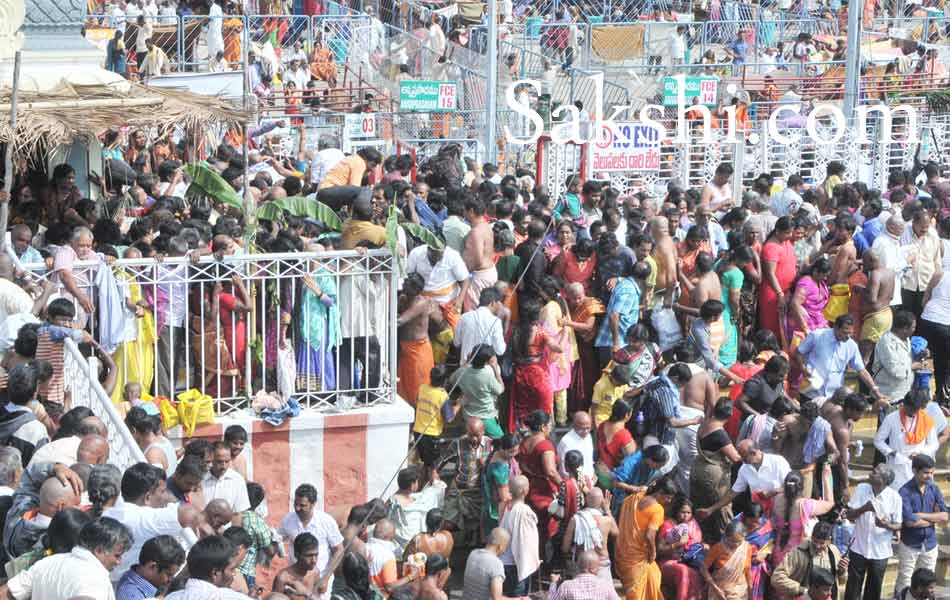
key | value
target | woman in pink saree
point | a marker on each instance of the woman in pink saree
(792, 516)
(679, 536)
(553, 314)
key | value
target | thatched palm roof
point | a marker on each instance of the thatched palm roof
(69, 112)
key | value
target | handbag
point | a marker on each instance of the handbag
(194, 408)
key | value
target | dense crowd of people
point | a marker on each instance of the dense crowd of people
(657, 390)
(664, 390)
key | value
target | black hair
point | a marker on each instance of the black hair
(238, 536)
(62, 535)
(723, 409)
(657, 453)
(21, 385)
(434, 520)
(255, 494)
(356, 575)
(105, 534)
(26, 339)
(620, 411)
(163, 550)
(235, 433)
(139, 420)
(407, 477)
(922, 578)
(209, 554)
(536, 420)
(140, 479)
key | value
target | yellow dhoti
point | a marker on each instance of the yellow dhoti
(838, 302)
(877, 324)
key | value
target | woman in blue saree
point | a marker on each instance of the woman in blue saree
(637, 472)
(759, 534)
(319, 327)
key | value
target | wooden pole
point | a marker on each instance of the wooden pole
(8, 159)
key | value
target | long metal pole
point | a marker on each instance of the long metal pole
(852, 77)
(492, 83)
(8, 158)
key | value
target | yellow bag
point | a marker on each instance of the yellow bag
(194, 408)
(169, 412)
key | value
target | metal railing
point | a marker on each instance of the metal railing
(248, 323)
(82, 382)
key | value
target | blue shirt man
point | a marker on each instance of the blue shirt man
(828, 353)
(623, 312)
(923, 507)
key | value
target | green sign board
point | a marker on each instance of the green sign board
(704, 88)
(427, 96)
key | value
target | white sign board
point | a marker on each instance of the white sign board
(634, 147)
(361, 126)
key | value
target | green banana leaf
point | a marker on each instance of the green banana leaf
(206, 181)
(299, 206)
(423, 235)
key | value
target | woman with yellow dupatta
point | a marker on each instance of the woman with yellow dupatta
(641, 517)
(727, 568)
(135, 359)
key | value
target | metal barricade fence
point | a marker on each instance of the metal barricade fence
(321, 323)
(82, 383)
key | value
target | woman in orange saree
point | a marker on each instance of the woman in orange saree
(232, 29)
(322, 64)
(641, 517)
(727, 568)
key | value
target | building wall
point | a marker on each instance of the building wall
(349, 457)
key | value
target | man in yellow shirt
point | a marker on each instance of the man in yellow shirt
(611, 386)
(427, 428)
(360, 226)
(343, 183)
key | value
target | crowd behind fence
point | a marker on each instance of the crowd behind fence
(317, 327)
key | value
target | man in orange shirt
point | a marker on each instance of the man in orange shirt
(344, 181)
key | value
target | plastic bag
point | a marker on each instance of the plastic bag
(667, 328)
(169, 412)
(194, 408)
(286, 372)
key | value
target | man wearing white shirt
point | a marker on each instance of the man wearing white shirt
(117, 17)
(328, 155)
(445, 273)
(146, 511)
(887, 246)
(483, 325)
(83, 572)
(877, 512)
(900, 437)
(761, 473)
(224, 483)
(788, 201)
(578, 438)
(306, 517)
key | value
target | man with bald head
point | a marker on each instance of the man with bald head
(590, 530)
(463, 498)
(381, 549)
(762, 474)
(887, 246)
(218, 514)
(93, 450)
(587, 584)
(875, 302)
(484, 571)
(578, 438)
(44, 491)
(360, 225)
(21, 248)
(66, 449)
(77, 282)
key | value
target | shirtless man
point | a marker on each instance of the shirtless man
(706, 286)
(478, 253)
(842, 413)
(435, 540)
(664, 253)
(875, 303)
(415, 350)
(846, 255)
(717, 194)
(596, 510)
(437, 574)
(300, 578)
